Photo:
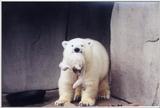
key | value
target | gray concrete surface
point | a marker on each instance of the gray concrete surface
(31, 45)
(52, 96)
(135, 51)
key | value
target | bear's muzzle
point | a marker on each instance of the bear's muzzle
(77, 71)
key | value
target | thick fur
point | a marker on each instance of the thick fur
(75, 61)
(96, 73)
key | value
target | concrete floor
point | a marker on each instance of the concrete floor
(52, 95)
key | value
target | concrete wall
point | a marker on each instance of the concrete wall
(135, 52)
(31, 45)
(32, 36)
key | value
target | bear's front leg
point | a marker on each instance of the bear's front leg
(65, 95)
(89, 94)
(65, 88)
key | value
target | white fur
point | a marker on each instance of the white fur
(79, 82)
(96, 63)
(75, 60)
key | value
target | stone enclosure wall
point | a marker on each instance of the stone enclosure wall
(32, 36)
(135, 52)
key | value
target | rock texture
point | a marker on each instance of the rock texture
(31, 49)
(135, 52)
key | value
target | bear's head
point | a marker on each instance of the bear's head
(77, 45)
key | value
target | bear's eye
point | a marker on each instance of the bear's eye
(71, 45)
(82, 45)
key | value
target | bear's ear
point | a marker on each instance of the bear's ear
(89, 43)
(64, 43)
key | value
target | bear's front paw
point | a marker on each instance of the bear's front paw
(60, 102)
(87, 102)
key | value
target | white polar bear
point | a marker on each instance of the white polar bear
(76, 63)
(95, 77)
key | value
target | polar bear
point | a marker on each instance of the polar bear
(76, 63)
(95, 77)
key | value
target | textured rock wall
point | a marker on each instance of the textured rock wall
(135, 52)
(31, 45)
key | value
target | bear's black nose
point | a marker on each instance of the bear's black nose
(76, 50)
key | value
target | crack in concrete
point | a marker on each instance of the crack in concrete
(156, 40)
(155, 96)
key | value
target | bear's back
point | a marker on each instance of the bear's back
(100, 59)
